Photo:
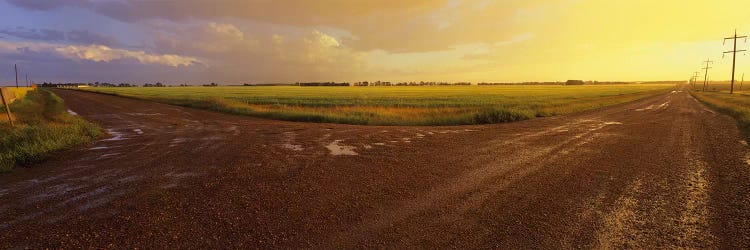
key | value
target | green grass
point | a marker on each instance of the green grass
(736, 105)
(449, 105)
(43, 126)
(19, 94)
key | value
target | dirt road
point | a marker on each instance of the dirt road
(660, 172)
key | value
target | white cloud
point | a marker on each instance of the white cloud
(101, 53)
(227, 29)
(326, 40)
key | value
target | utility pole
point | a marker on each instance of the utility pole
(705, 77)
(743, 80)
(16, 68)
(734, 55)
(27, 80)
(695, 78)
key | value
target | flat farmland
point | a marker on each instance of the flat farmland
(444, 105)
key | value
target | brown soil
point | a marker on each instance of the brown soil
(660, 172)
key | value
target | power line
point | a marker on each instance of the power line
(734, 55)
(705, 77)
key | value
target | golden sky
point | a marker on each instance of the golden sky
(231, 41)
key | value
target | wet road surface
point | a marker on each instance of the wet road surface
(660, 172)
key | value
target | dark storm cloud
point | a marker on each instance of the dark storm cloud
(35, 34)
(88, 37)
(48, 66)
(74, 36)
(43, 5)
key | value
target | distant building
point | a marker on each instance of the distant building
(574, 82)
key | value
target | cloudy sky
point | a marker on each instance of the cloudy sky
(257, 41)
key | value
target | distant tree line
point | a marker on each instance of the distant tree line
(518, 83)
(330, 84)
(106, 84)
(95, 84)
(569, 82)
(270, 84)
(421, 83)
(158, 84)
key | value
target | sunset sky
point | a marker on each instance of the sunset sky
(260, 41)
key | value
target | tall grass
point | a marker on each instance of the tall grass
(43, 127)
(445, 105)
(19, 94)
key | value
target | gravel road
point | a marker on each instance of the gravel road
(660, 172)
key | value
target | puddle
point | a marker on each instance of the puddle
(144, 114)
(178, 140)
(646, 108)
(98, 148)
(379, 144)
(72, 112)
(138, 131)
(85, 195)
(116, 136)
(233, 130)
(95, 203)
(292, 147)
(107, 155)
(182, 175)
(128, 179)
(367, 147)
(663, 105)
(337, 149)
(613, 123)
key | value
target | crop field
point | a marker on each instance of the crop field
(449, 105)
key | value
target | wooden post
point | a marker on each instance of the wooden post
(6, 103)
(15, 67)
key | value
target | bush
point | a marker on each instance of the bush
(501, 115)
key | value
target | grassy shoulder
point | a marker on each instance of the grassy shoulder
(449, 105)
(736, 105)
(43, 126)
